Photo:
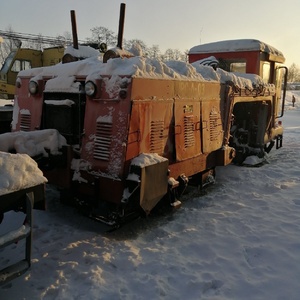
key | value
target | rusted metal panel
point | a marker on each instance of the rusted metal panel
(151, 134)
(151, 121)
(134, 134)
(187, 129)
(212, 127)
(29, 106)
(105, 139)
(193, 165)
(154, 185)
(156, 89)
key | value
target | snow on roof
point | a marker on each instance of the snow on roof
(63, 76)
(235, 45)
(17, 172)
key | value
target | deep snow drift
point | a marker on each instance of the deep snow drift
(240, 239)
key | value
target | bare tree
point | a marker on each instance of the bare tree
(103, 35)
(154, 52)
(294, 73)
(7, 45)
(169, 54)
(130, 43)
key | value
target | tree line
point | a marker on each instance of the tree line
(294, 73)
(104, 35)
(98, 35)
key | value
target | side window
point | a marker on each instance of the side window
(266, 72)
(20, 65)
(8, 61)
(238, 67)
(16, 67)
(231, 65)
(26, 64)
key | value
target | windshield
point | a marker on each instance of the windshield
(8, 61)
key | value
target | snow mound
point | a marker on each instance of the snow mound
(17, 172)
(32, 143)
(93, 68)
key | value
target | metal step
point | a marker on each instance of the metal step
(13, 271)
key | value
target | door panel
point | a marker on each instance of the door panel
(187, 129)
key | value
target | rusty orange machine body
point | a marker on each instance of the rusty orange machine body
(138, 130)
(132, 139)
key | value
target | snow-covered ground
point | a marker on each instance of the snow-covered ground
(238, 240)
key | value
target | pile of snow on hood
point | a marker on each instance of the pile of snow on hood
(93, 68)
(82, 51)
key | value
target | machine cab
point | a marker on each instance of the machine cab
(21, 59)
(243, 56)
(246, 56)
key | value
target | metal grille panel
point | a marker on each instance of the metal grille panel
(103, 140)
(25, 122)
(156, 136)
(213, 125)
(189, 138)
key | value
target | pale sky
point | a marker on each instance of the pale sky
(174, 24)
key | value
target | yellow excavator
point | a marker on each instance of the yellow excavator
(21, 59)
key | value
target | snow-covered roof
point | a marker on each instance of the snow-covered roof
(235, 45)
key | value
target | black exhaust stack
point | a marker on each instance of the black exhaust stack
(74, 29)
(121, 25)
(118, 51)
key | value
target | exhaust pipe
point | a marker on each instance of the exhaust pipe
(121, 25)
(74, 29)
(118, 51)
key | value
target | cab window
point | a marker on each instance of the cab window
(8, 62)
(20, 65)
(230, 65)
(266, 67)
(238, 67)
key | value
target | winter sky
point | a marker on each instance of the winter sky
(174, 24)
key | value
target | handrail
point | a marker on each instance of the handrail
(284, 90)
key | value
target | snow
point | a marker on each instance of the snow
(93, 68)
(14, 235)
(82, 51)
(17, 172)
(32, 143)
(147, 159)
(239, 239)
(66, 102)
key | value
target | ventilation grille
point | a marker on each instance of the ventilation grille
(156, 137)
(103, 140)
(25, 122)
(213, 125)
(189, 138)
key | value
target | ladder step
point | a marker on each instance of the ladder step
(13, 271)
(15, 235)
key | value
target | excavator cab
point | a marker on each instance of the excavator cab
(21, 59)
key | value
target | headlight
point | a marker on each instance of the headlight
(90, 88)
(33, 87)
